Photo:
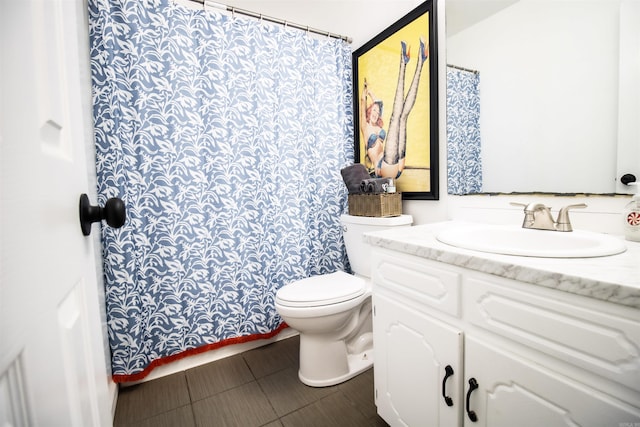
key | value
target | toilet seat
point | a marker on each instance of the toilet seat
(326, 289)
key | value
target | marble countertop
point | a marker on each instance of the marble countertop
(613, 278)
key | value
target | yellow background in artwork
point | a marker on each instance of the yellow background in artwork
(380, 67)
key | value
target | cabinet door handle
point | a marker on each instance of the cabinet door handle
(448, 372)
(473, 384)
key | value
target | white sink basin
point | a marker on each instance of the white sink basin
(512, 240)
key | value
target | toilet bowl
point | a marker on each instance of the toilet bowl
(332, 312)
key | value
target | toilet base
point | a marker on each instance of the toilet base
(325, 364)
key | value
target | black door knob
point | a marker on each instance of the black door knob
(114, 212)
(627, 178)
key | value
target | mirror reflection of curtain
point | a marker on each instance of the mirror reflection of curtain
(225, 137)
(464, 162)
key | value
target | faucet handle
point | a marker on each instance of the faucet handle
(528, 216)
(563, 223)
(536, 215)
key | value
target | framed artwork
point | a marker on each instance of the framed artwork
(395, 81)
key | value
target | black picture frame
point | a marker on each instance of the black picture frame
(378, 70)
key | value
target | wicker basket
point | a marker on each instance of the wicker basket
(379, 205)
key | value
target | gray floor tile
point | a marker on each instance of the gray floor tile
(224, 374)
(286, 393)
(180, 417)
(273, 357)
(244, 406)
(360, 391)
(333, 410)
(151, 398)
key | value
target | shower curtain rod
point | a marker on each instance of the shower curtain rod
(463, 69)
(272, 19)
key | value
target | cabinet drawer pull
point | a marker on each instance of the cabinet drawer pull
(448, 372)
(473, 384)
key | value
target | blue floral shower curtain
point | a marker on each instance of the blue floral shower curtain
(464, 162)
(225, 137)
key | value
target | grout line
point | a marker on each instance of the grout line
(246, 362)
(270, 404)
(186, 377)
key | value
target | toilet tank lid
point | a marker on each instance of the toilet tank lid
(378, 221)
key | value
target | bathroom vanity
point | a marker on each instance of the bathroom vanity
(478, 339)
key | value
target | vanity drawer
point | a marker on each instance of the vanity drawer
(603, 340)
(421, 281)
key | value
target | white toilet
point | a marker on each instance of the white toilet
(332, 312)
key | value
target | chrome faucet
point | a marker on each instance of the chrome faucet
(538, 216)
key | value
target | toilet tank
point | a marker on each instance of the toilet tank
(358, 251)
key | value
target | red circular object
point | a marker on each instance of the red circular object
(633, 218)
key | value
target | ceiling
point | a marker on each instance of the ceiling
(461, 14)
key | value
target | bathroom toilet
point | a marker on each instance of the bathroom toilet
(332, 312)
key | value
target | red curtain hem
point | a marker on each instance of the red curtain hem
(118, 378)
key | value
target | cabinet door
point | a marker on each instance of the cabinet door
(412, 352)
(513, 391)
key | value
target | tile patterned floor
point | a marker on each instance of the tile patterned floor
(257, 388)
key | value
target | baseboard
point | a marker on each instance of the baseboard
(210, 356)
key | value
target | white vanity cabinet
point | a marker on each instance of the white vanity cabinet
(506, 353)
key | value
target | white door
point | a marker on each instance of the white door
(52, 357)
(418, 368)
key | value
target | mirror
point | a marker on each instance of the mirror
(559, 91)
